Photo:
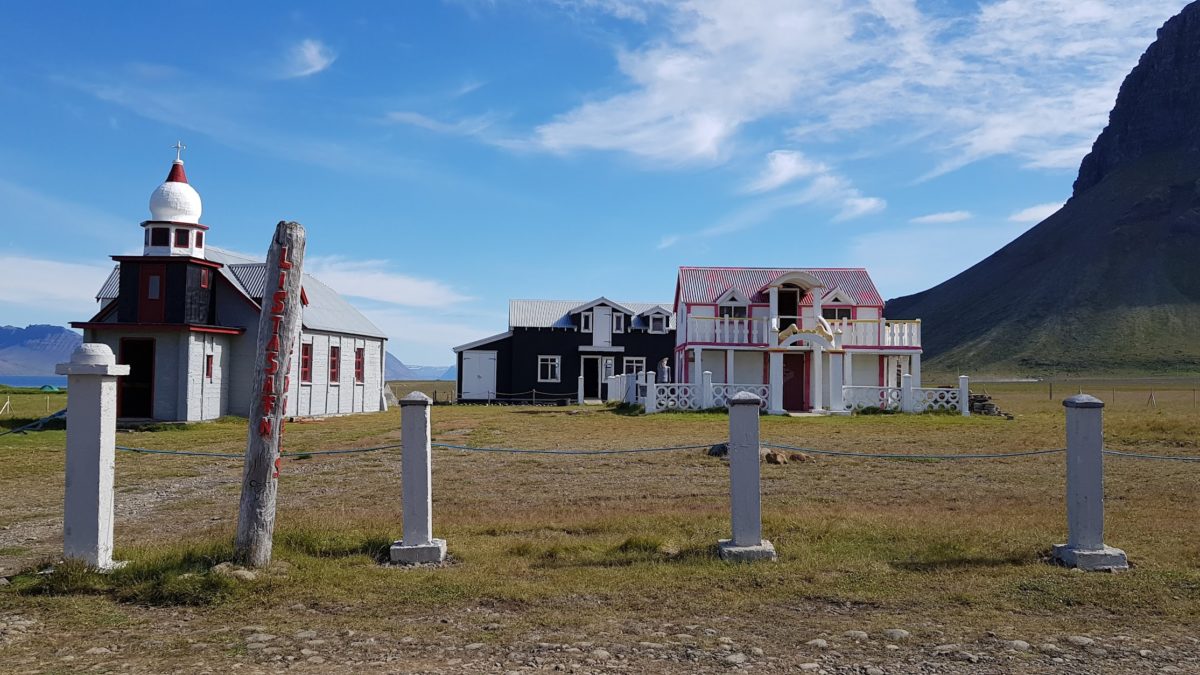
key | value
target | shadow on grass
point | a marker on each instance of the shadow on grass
(333, 544)
(963, 562)
(9, 423)
(634, 550)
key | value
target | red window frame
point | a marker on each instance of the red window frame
(306, 362)
(182, 237)
(204, 277)
(199, 240)
(208, 366)
(360, 365)
(335, 364)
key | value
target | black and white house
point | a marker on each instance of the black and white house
(549, 344)
(184, 317)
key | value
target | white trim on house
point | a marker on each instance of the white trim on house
(638, 361)
(732, 297)
(662, 323)
(483, 341)
(618, 322)
(554, 361)
(601, 301)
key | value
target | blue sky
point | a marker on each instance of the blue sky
(446, 157)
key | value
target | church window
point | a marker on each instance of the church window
(335, 365)
(360, 365)
(153, 292)
(204, 277)
(306, 362)
(208, 367)
(199, 240)
(181, 238)
(160, 236)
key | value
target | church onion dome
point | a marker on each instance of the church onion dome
(175, 200)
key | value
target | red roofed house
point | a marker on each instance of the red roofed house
(803, 332)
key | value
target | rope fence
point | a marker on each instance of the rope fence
(522, 451)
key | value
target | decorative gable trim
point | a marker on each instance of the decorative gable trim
(837, 297)
(733, 296)
(601, 301)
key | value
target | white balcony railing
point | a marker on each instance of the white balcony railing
(756, 331)
(728, 330)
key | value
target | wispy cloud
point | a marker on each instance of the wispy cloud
(943, 217)
(374, 280)
(783, 167)
(305, 58)
(1030, 79)
(38, 283)
(1036, 213)
(465, 127)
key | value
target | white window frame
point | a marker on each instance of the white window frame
(733, 307)
(639, 361)
(552, 360)
(837, 309)
(585, 322)
(662, 328)
(618, 322)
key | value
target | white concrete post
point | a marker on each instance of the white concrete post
(745, 497)
(818, 403)
(416, 477)
(651, 402)
(906, 393)
(729, 366)
(696, 365)
(773, 294)
(964, 396)
(775, 381)
(836, 372)
(816, 303)
(580, 390)
(1085, 547)
(915, 369)
(705, 395)
(91, 438)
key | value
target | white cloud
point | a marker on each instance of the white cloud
(466, 127)
(308, 57)
(943, 217)
(37, 283)
(1031, 79)
(373, 280)
(783, 167)
(1036, 213)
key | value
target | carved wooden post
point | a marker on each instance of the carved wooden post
(278, 330)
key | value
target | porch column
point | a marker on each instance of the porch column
(836, 372)
(848, 368)
(773, 341)
(815, 385)
(729, 379)
(775, 380)
(696, 365)
(915, 369)
(816, 302)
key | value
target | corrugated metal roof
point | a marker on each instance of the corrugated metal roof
(706, 284)
(112, 286)
(326, 310)
(557, 313)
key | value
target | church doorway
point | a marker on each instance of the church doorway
(135, 391)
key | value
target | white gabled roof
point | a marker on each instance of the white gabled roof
(557, 313)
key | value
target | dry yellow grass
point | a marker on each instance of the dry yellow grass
(561, 547)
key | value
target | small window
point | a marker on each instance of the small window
(335, 365)
(199, 240)
(834, 313)
(549, 368)
(732, 312)
(181, 238)
(204, 277)
(147, 237)
(658, 324)
(152, 287)
(160, 236)
(585, 322)
(618, 322)
(634, 364)
(306, 362)
(208, 367)
(360, 365)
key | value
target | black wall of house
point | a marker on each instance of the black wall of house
(517, 358)
(127, 296)
(184, 299)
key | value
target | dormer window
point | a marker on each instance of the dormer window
(618, 322)
(658, 324)
(732, 311)
(585, 322)
(836, 313)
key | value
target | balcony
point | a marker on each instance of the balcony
(756, 331)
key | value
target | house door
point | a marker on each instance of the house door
(594, 370)
(152, 289)
(793, 382)
(135, 391)
(478, 375)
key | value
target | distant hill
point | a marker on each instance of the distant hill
(395, 369)
(1111, 282)
(34, 350)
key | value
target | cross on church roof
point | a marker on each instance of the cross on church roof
(179, 148)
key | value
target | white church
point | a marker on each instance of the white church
(184, 316)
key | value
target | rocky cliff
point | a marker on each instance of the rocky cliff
(1109, 283)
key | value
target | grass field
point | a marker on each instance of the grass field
(556, 557)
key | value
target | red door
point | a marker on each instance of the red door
(793, 382)
(151, 290)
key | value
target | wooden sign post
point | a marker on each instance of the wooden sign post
(278, 330)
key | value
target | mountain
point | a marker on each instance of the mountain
(34, 350)
(395, 369)
(1110, 283)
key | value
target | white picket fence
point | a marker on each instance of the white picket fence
(910, 399)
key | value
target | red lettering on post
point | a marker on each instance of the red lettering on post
(283, 261)
(268, 403)
(273, 345)
(264, 427)
(275, 321)
(272, 364)
(280, 305)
